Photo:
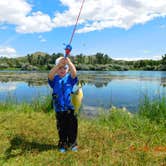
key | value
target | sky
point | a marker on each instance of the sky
(122, 29)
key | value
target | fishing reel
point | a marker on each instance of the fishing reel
(68, 49)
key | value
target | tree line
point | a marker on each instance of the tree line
(98, 61)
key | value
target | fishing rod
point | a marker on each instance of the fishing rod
(68, 47)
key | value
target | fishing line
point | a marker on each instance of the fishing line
(68, 47)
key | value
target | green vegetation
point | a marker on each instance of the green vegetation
(154, 110)
(28, 136)
(99, 61)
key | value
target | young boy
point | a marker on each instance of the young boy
(62, 82)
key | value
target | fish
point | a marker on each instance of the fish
(76, 98)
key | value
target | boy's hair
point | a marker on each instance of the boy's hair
(58, 60)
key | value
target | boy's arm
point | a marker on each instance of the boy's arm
(52, 73)
(72, 68)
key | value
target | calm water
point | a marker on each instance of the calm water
(101, 89)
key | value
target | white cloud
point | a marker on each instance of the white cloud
(3, 27)
(100, 14)
(96, 14)
(146, 51)
(156, 57)
(41, 38)
(18, 12)
(13, 12)
(38, 22)
(6, 87)
(163, 26)
(8, 52)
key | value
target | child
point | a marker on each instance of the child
(62, 84)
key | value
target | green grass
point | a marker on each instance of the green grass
(29, 137)
(154, 110)
(42, 104)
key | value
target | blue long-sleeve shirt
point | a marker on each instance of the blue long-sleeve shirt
(62, 89)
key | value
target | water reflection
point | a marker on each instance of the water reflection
(96, 78)
(163, 81)
(101, 89)
(7, 87)
(36, 83)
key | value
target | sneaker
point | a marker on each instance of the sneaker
(74, 148)
(62, 150)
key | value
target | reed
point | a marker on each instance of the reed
(155, 110)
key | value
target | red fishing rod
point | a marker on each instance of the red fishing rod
(68, 47)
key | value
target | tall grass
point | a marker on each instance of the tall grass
(42, 104)
(154, 110)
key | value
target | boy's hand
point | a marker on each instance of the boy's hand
(61, 63)
(71, 67)
(67, 60)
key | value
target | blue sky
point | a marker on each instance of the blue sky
(123, 29)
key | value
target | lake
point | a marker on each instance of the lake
(101, 88)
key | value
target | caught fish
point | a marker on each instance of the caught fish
(76, 97)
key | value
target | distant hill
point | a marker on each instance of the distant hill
(39, 53)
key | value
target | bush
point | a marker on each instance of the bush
(162, 67)
(82, 67)
(149, 67)
(4, 66)
(28, 67)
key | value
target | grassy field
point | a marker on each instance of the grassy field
(28, 137)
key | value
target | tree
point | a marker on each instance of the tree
(163, 61)
(29, 58)
(106, 59)
(47, 59)
(80, 58)
(99, 58)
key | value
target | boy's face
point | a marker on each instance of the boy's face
(62, 71)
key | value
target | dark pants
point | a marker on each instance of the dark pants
(67, 128)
